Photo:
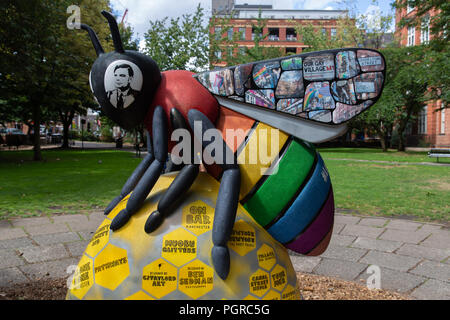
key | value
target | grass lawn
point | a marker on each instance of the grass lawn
(67, 182)
(389, 189)
(76, 181)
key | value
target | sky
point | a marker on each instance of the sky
(141, 11)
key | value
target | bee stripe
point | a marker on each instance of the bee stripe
(276, 190)
(251, 164)
(292, 200)
(313, 234)
(240, 124)
(273, 166)
(305, 207)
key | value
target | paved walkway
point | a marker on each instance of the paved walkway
(413, 257)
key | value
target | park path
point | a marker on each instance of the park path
(413, 257)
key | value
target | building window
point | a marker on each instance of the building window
(230, 52)
(241, 51)
(291, 35)
(324, 31)
(425, 31)
(218, 33)
(218, 54)
(333, 33)
(256, 32)
(442, 119)
(291, 50)
(241, 33)
(409, 9)
(422, 128)
(230, 33)
(411, 36)
(274, 34)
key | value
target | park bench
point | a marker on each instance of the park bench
(15, 140)
(439, 153)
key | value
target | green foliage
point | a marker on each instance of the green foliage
(437, 55)
(179, 44)
(347, 35)
(439, 22)
(106, 134)
(351, 31)
(126, 35)
(45, 65)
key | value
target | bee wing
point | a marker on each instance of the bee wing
(310, 96)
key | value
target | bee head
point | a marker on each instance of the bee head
(123, 81)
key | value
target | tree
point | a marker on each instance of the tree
(352, 30)
(435, 13)
(439, 20)
(179, 44)
(347, 35)
(44, 64)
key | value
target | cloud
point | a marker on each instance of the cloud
(140, 12)
(373, 17)
(316, 4)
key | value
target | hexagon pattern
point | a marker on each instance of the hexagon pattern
(259, 283)
(196, 279)
(99, 240)
(159, 278)
(179, 247)
(266, 257)
(272, 295)
(140, 295)
(278, 277)
(111, 267)
(242, 239)
(175, 263)
(198, 217)
(290, 293)
(83, 278)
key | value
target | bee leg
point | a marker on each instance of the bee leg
(177, 189)
(227, 198)
(135, 176)
(151, 175)
(179, 186)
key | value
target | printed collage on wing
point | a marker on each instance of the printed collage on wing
(330, 86)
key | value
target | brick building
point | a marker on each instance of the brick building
(280, 24)
(432, 126)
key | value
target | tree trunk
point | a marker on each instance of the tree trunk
(402, 128)
(37, 156)
(383, 143)
(66, 119)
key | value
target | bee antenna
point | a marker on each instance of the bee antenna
(97, 46)
(114, 31)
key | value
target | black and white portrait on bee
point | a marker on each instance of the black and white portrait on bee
(123, 82)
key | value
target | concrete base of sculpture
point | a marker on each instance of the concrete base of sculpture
(174, 262)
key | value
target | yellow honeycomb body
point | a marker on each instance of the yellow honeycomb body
(174, 262)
